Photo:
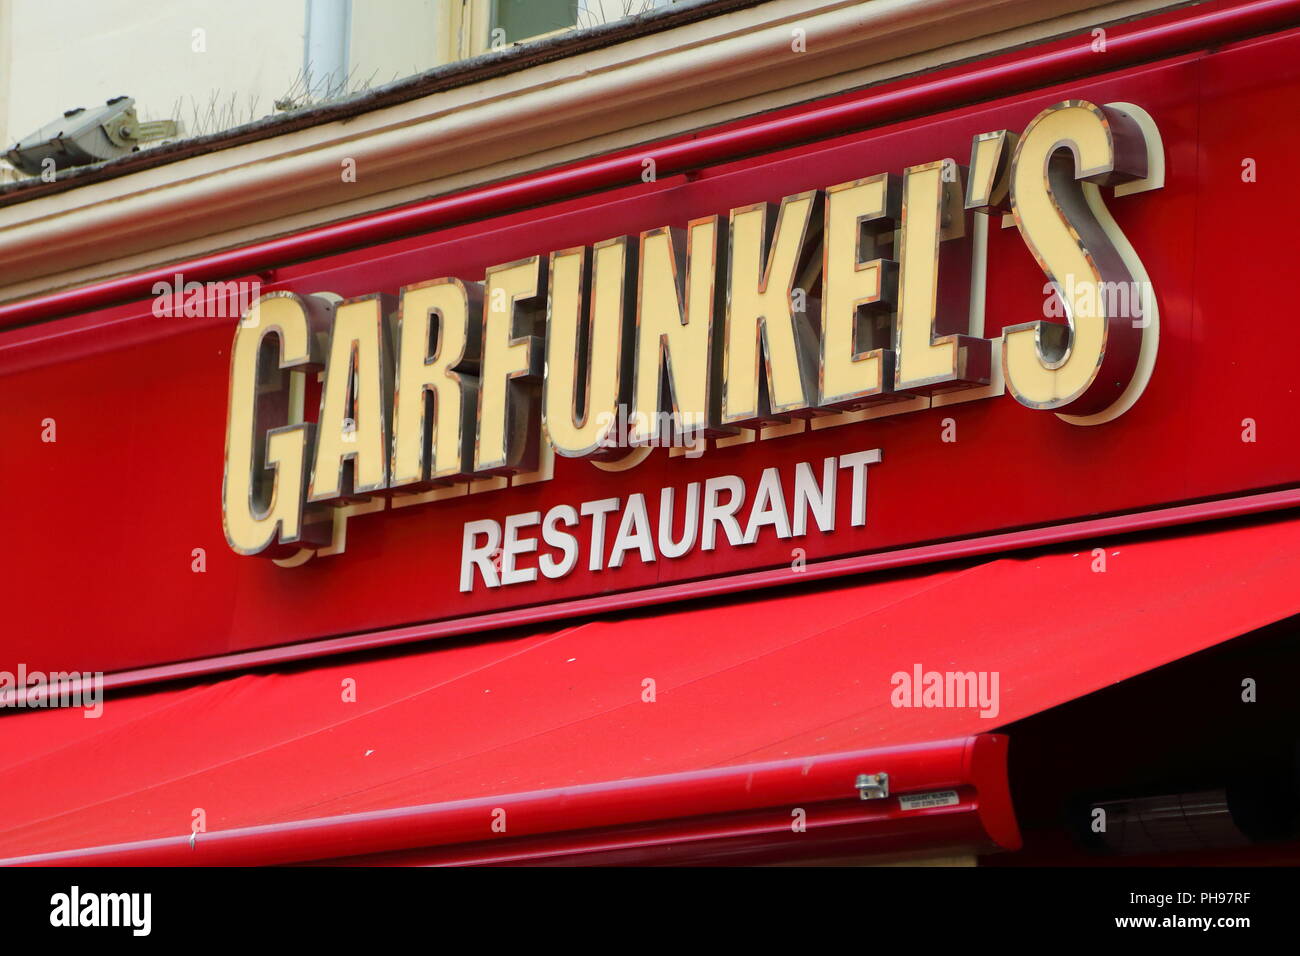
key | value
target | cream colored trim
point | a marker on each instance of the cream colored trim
(471, 18)
(693, 76)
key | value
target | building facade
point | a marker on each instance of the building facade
(667, 433)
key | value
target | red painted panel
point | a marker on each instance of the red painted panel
(101, 525)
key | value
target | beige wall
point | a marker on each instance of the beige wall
(394, 38)
(6, 44)
(71, 54)
(57, 56)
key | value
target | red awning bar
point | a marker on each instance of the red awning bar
(720, 808)
(874, 108)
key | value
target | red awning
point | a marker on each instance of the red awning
(760, 707)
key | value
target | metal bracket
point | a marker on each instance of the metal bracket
(873, 786)
(126, 130)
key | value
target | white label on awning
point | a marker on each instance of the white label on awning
(923, 801)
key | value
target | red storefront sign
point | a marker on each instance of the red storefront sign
(130, 489)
